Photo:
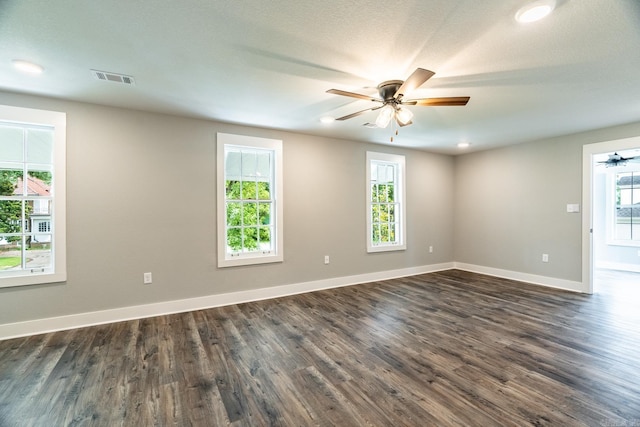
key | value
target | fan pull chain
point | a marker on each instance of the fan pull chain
(393, 127)
(396, 130)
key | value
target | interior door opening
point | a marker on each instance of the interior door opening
(611, 221)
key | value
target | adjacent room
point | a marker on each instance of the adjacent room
(341, 213)
(616, 224)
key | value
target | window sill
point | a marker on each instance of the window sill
(31, 279)
(248, 260)
(389, 248)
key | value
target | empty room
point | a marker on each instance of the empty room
(337, 213)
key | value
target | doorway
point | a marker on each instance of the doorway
(611, 215)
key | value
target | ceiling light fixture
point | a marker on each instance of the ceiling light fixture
(392, 99)
(390, 111)
(385, 116)
(327, 119)
(463, 145)
(535, 11)
(27, 67)
(616, 159)
(404, 116)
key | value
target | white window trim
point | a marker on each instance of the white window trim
(224, 259)
(57, 120)
(400, 195)
(610, 218)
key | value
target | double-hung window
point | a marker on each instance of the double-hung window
(249, 200)
(32, 196)
(626, 213)
(385, 202)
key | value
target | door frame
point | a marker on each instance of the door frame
(588, 152)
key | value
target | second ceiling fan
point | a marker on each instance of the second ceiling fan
(392, 100)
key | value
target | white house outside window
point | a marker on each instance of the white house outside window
(249, 200)
(385, 202)
(32, 196)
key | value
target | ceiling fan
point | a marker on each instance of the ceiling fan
(616, 159)
(392, 102)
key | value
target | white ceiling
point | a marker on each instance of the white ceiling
(269, 63)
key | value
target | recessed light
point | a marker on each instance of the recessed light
(327, 119)
(463, 145)
(27, 67)
(535, 11)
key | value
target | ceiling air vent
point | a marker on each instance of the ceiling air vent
(112, 77)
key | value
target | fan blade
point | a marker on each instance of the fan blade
(438, 102)
(353, 95)
(416, 79)
(357, 113)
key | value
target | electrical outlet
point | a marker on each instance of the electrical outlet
(147, 279)
(545, 257)
(326, 259)
(430, 249)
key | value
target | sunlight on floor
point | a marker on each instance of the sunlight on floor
(623, 287)
(623, 283)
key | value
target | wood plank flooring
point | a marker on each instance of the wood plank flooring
(441, 349)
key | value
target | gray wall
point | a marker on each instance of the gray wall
(510, 204)
(141, 197)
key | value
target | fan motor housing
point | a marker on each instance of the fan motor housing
(389, 88)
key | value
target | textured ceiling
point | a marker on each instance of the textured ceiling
(269, 63)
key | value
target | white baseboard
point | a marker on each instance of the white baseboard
(79, 320)
(550, 282)
(618, 266)
(52, 324)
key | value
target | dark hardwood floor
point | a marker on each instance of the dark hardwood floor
(439, 349)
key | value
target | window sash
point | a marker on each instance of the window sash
(386, 216)
(35, 147)
(249, 200)
(626, 216)
(245, 227)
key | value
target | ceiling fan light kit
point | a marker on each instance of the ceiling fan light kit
(404, 116)
(384, 118)
(392, 99)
